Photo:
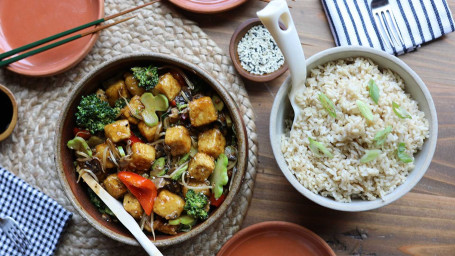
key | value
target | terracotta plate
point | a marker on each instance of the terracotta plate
(276, 238)
(25, 21)
(207, 6)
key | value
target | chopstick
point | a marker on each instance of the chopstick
(58, 43)
(70, 31)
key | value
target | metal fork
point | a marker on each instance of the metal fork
(387, 24)
(14, 233)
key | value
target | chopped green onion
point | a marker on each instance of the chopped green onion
(364, 110)
(374, 91)
(370, 155)
(381, 136)
(184, 220)
(327, 104)
(178, 173)
(217, 102)
(121, 151)
(317, 147)
(79, 144)
(399, 111)
(181, 106)
(158, 167)
(402, 156)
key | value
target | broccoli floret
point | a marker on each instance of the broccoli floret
(100, 205)
(147, 76)
(119, 104)
(93, 113)
(195, 205)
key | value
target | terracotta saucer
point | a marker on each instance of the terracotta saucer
(276, 238)
(25, 21)
(207, 6)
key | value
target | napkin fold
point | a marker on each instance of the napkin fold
(420, 21)
(39, 216)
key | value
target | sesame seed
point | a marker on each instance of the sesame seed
(258, 52)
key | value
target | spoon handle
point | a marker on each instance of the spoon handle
(287, 40)
(124, 217)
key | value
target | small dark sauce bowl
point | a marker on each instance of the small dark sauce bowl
(8, 118)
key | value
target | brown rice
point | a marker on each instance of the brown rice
(348, 135)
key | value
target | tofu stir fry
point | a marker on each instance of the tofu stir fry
(159, 140)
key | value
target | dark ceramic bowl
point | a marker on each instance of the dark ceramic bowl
(64, 157)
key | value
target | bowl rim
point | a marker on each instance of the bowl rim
(216, 86)
(5, 134)
(62, 68)
(364, 205)
(268, 227)
(207, 7)
(238, 34)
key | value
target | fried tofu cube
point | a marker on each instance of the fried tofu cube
(178, 139)
(168, 205)
(147, 131)
(142, 157)
(132, 206)
(115, 91)
(202, 111)
(168, 86)
(211, 142)
(118, 130)
(201, 166)
(132, 85)
(135, 105)
(100, 149)
(114, 186)
(196, 183)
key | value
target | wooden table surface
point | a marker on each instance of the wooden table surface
(420, 223)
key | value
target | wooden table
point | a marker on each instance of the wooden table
(420, 223)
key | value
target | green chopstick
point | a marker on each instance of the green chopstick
(58, 43)
(59, 35)
(48, 39)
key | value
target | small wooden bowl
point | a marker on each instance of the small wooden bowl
(13, 122)
(236, 37)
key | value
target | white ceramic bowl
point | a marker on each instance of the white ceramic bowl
(413, 85)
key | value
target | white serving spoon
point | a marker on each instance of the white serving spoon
(289, 43)
(123, 216)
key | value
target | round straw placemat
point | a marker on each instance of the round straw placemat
(29, 151)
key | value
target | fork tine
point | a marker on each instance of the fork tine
(397, 29)
(22, 237)
(383, 30)
(13, 231)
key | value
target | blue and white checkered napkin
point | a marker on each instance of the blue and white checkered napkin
(39, 216)
(420, 21)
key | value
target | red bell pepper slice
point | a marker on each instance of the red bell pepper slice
(134, 139)
(85, 134)
(142, 188)
(173, 103)
(217, 202)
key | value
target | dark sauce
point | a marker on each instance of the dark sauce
(6, 109)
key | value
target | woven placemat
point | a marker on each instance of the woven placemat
(29, 151)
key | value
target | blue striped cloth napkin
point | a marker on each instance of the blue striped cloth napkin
(419, 21)
(41, 218)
